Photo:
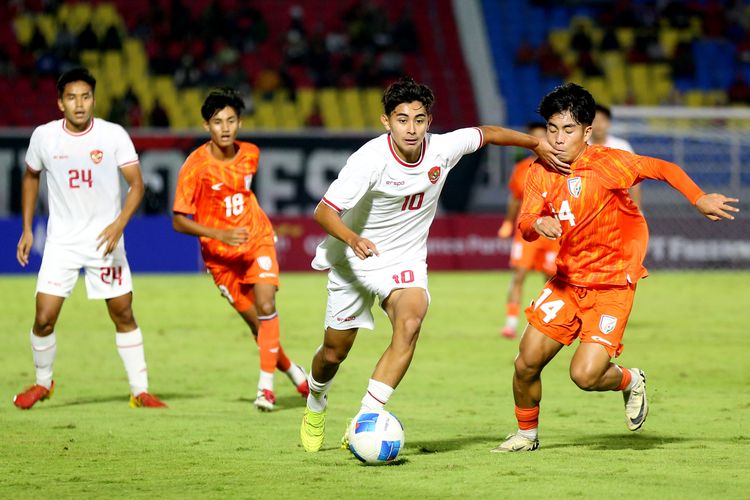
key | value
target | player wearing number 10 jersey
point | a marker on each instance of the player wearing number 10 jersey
(83, 158)
(378, 213)
(214, 201)
(603, 240)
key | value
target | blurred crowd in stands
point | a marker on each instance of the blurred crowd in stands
(265, 47)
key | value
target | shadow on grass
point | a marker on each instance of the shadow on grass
(631, 441)
(119, 398)
(439, 445)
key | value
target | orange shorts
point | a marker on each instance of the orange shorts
(565, 312)
(536, 255)
(236, 278)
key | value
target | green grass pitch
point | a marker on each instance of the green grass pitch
(688, 331)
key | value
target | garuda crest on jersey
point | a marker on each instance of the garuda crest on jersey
(434, 174)
(96, 156)
(575, 186)
(607, 323)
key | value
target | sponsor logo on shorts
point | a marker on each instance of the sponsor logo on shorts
(434, 174)
(607, 323)
(267, 275)
(602, 341)
(265, 262)
(96, 156)
(344, 320)
(575, 186)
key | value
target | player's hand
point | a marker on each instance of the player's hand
(715, 206)
(24, 247)
(506, 229)
(235, 236)
(364, 248)
(549, 227)
(548, 155)
(110, 237)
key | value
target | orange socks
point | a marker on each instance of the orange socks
(626, 378)
(269, 343)
(283, 362)
(528, 418)
(512, 309)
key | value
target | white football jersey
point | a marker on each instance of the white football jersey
(390, 202)
(618, 143)
(83, 177)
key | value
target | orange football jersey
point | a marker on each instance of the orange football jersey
(518, 177)
(218, 194)
(604, 235)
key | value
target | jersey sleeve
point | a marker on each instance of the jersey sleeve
(534, 204)
(672, 174)
(354, 180)
(33, 158)
(187, 180)
(461, 142)
(125, 154)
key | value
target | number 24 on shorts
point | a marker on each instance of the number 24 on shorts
(551, 308)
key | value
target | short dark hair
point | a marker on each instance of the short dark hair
(75, 75)
(407, 90)
(219, 99)
(569, 97)
(604, 110)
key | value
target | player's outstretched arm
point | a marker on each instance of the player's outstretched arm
(233, 236)
(29, 195)
(716, 206)
(330, 220)
(500, 136)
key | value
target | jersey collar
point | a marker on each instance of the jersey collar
(402, 162)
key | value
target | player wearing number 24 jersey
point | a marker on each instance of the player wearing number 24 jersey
(603, 240)
(215, 201)
(377, 214)
(83, 159)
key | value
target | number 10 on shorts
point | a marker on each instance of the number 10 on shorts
(551, 308)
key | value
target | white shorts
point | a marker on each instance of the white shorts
(106, 277)
(352, 294)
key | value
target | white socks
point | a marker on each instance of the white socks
(130, 348)
(377, 395)
(636, 377)
(43, 350)
(529, 433)
(317, 400)
(296, 374)
(265, 381)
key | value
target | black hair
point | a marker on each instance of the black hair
(569, 97)
(75, 75)
(219, 99)
(407, 90)
(604, 109)
(535, 124)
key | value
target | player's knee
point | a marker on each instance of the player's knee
(584, 377)
(334, 355)
(265, 308)
(44, 325)
(527, 368)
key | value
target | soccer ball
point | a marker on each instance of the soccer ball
(376, 437)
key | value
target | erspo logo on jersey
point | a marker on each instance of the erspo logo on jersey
(434, 174)
(96, 156)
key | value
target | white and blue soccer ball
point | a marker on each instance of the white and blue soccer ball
(376, 437)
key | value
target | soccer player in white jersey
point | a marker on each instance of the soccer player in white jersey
(600, 135)
(378, 213)
(82, 158)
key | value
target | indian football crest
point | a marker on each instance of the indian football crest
(96, 156)
(265, 262)
(434, 174)
(575, 186)
(607, 323)
(248, 181)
